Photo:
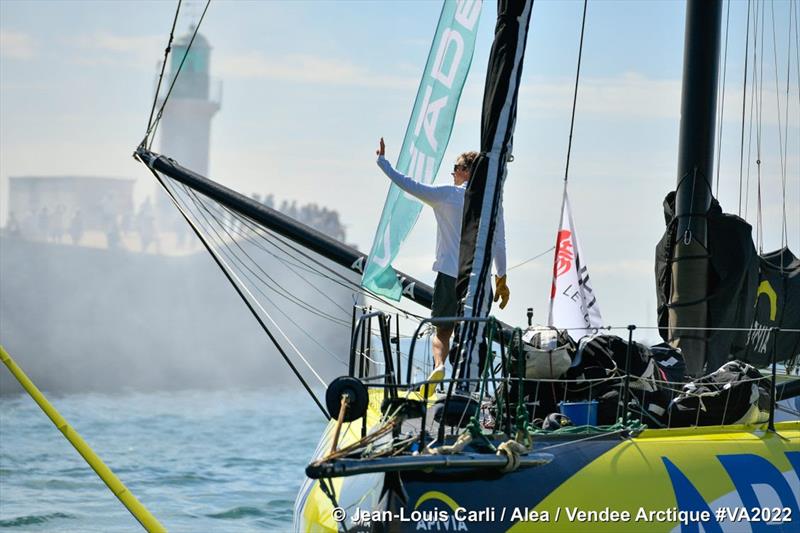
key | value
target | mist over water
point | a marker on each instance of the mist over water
(158, 364)
(228, 460)
(80, 319)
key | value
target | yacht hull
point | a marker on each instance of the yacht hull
(660, 480)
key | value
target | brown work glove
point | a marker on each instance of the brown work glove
(501, 291)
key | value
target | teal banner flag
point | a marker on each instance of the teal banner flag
(427, 136)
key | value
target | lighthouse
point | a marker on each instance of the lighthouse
(185, 129)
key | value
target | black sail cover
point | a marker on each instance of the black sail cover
(777, 305)
(746, 291)
(484, 193)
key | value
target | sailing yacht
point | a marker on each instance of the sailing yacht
(628, 437)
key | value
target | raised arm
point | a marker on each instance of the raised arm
(499, 244)
(430, 194)
(501, 291)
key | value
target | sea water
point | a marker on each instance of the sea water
(199, 461)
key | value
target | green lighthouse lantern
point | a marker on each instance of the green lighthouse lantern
(193, 81)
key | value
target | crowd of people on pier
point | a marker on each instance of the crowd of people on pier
(141, 230)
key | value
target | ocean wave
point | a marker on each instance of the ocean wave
(30, 520)
(239, 512)
(185, 479)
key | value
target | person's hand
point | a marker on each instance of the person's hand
(501, 291)
(381, 149)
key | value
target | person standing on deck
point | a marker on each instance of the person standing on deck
(447, 202)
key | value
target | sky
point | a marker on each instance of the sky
(309, 87)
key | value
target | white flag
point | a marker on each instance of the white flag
(573, 304)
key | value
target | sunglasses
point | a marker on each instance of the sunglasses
(456, 168)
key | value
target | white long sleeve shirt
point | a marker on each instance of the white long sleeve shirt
(447, 202)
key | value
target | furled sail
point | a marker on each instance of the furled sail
(426, 139)
(484, 195)
(732, 275)
(745, 291)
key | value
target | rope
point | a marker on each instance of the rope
(457, 447)
(255, 231)
(385, 429)
(512, 450)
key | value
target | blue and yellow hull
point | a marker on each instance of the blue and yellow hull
(659, 480)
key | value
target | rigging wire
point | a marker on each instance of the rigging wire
(339, 278)
(797, 47)
(759, 123)
(744, 104)
(780, 131)
(249, 278)
(247, 302)
(575, 97)
(153, 126)
(721, 106)
(231, 256)
(797, 60)
(292, 267)
(797, 65)
(753, 92)
(572, 119)
(784, 229)
(253, 231)
(408, 314)
(264, 234)
(285, 294)
(167, 50)
(243, 286)
(151, 131)
(233, 259)
(257, 240)
(537, 256)
(311, 270)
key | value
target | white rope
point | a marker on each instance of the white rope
(512, 450)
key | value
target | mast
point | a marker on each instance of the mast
(690, 259)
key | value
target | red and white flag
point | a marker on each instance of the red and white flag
(573, 304)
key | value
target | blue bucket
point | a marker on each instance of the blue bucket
(581, 413)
